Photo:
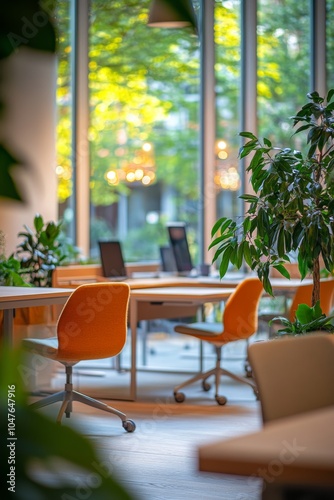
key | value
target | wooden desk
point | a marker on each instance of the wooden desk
(14, 297)
(150, 303)
(297, 450)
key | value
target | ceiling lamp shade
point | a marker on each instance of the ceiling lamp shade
(171, 14)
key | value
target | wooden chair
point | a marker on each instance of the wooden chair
(239, 321)
(92, 325)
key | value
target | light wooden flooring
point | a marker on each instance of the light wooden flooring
(159, 460)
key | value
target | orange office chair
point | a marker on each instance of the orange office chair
(92, 325)
(239, 322)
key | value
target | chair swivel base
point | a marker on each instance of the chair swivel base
(216, 372)
(68, 396)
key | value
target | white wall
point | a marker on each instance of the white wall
(27, 128)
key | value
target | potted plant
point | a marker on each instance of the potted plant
(10, 272)
(10, 268)
(292, 208)
(308, 319)
(40, 251)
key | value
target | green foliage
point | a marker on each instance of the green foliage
(11, 272)
(70, 253)
(10, 268)
(49, 461)
(24, 23)
(8, 188)
(308, 319)
(283, 64)
(27, 23)
(40, 251)
(293, 205)
(134, 90)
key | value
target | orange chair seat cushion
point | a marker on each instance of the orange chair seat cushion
(239, 321)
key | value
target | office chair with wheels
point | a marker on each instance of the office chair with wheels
(239, 322)
(293, 375)
(91, 325)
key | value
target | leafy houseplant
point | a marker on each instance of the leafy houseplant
(292, 208)
(308, 319)
(10, 272)
(40, 251)
(10, 268)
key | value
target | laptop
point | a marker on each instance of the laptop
(112, 261)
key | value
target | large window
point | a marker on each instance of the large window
(144, 113)
(227, 71)
(330, 43)
(144, 85)
(283, 65)
(64, 122)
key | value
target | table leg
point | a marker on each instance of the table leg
(133, 367)
(8, 325)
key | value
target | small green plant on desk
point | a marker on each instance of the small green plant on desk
(308, 319)
(40, 252)
(10, 268)
(10, 272)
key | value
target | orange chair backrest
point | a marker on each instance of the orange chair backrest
(93, 322)
(303, 295)
(240, 316)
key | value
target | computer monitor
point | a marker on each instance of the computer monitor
(112, 260)
(179, 243)
(168, 264)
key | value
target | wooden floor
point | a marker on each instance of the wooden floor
(159, 460)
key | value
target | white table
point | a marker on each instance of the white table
(298, 450)
(150, 303)
(14, 297)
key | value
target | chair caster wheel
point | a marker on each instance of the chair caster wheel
(248, 371)
(221, 400)
(206, 386)
(179, 397)
(129, 425)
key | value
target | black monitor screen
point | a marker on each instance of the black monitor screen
(112, 259)
(167, 259)
(179, 244)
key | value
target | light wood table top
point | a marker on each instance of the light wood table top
(295, 450)
(21, 296)
(182, 293)
(13, 297)
(161, 281)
